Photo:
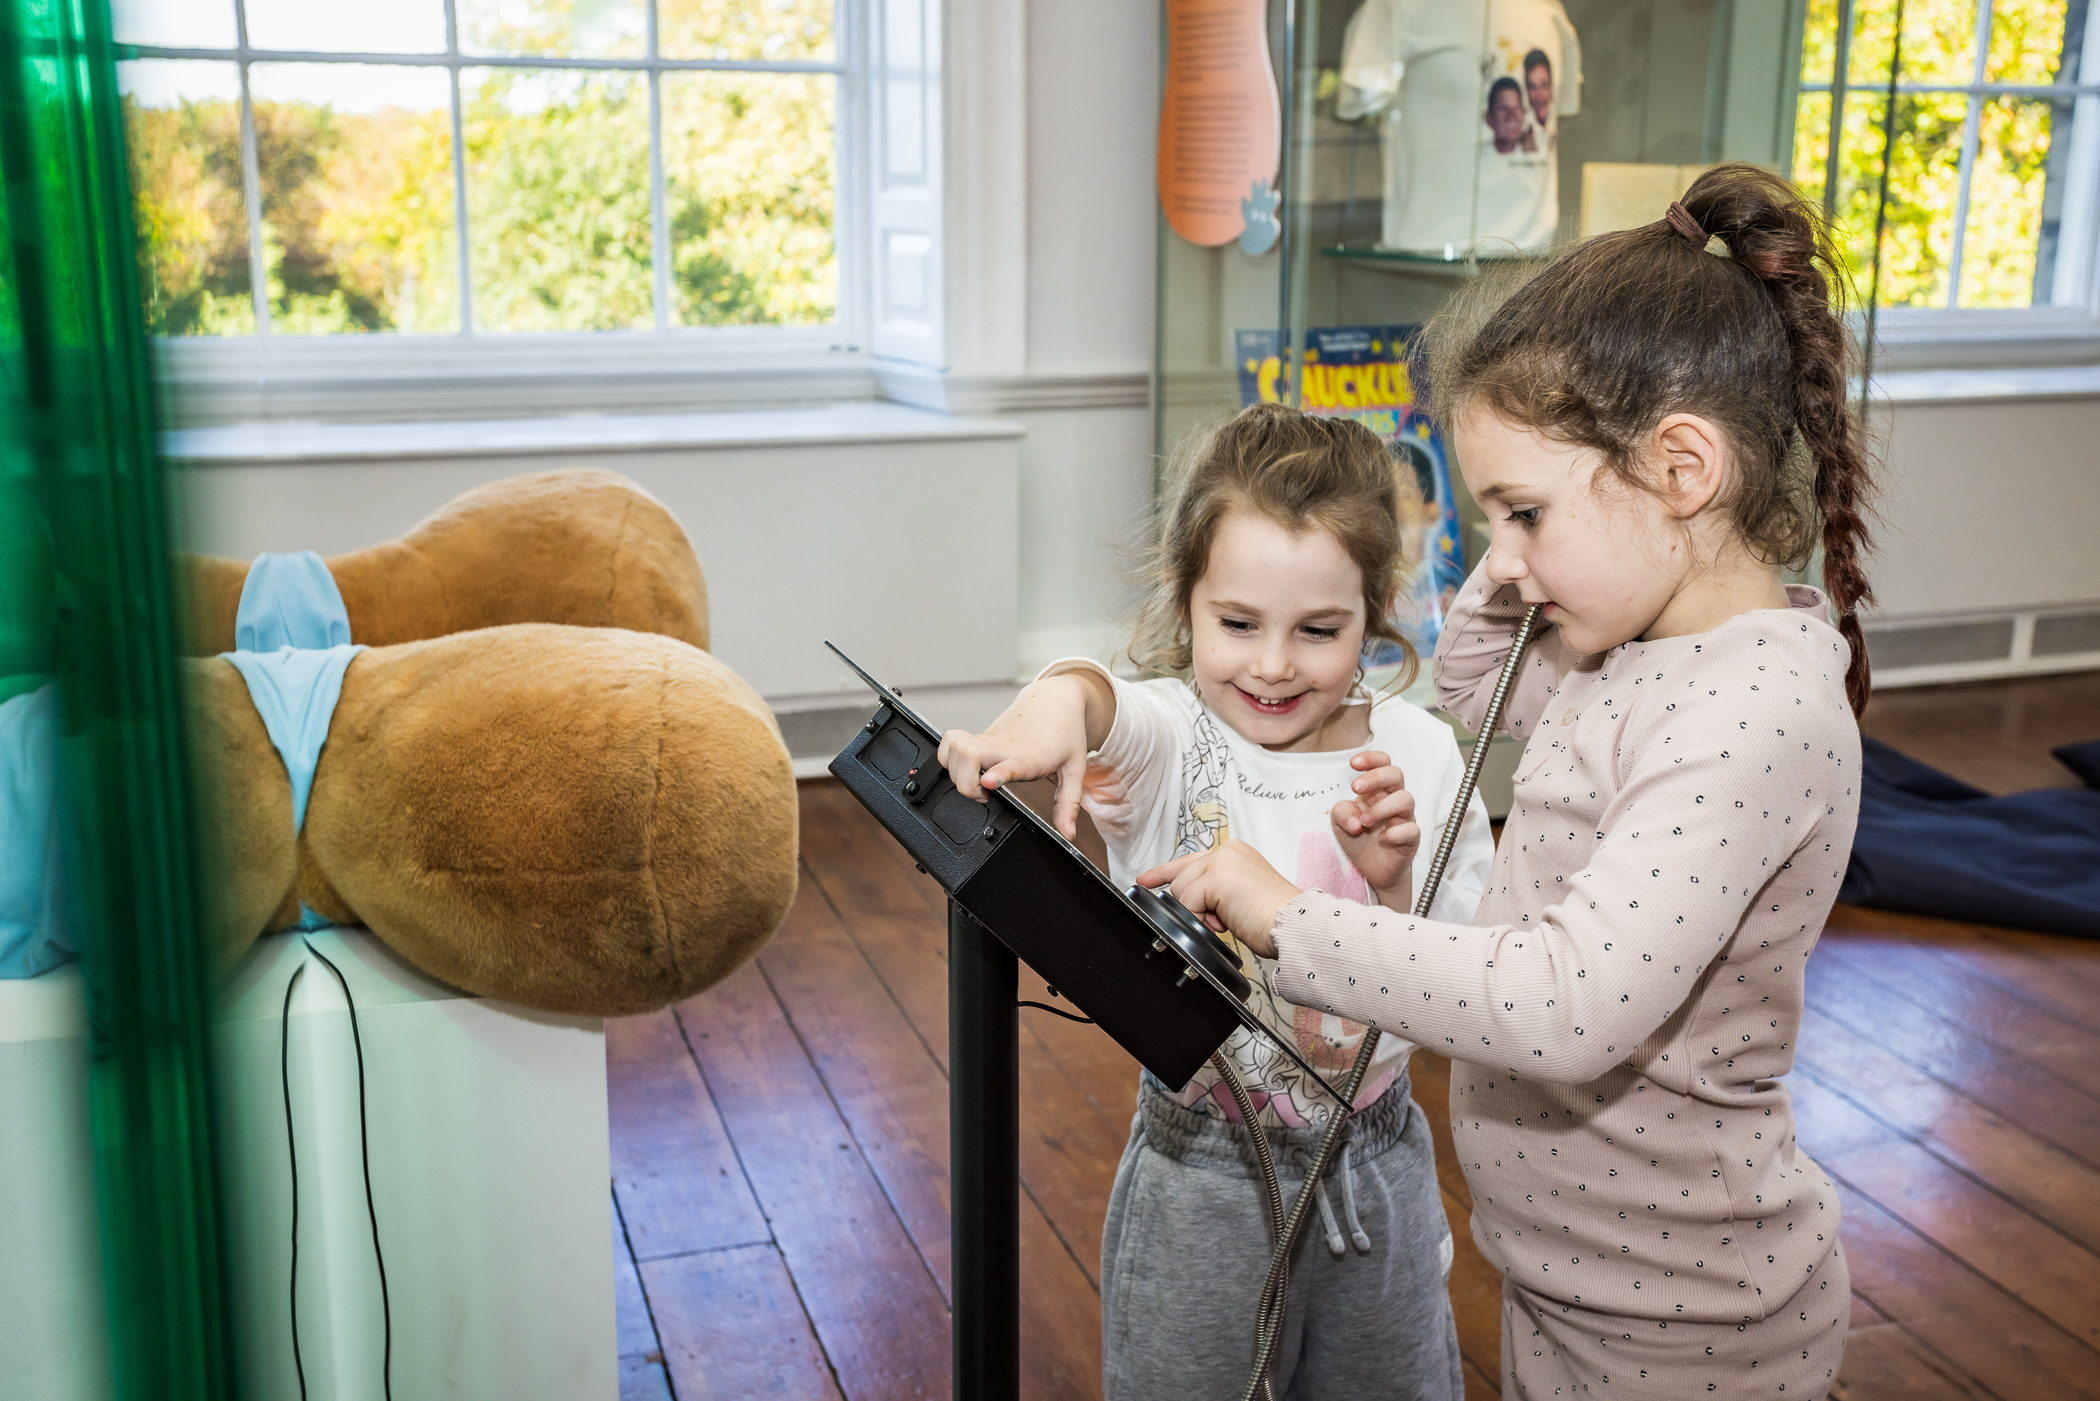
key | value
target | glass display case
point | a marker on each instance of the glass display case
(1552, 118)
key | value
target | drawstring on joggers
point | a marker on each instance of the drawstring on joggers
(1357, 1234)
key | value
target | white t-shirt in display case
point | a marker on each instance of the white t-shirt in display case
(1470, 94)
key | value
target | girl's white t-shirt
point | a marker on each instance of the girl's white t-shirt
(1172, 778)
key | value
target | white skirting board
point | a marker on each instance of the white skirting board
(490, 1178)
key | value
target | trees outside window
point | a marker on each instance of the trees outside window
(307, 170)
(1991, 147)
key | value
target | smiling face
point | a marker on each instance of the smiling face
(1538, 86)
(1275, 625)
(1606, 558)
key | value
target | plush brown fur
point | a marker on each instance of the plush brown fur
(244, 813)
(588, 548)
(578, 820)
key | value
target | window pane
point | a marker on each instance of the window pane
(1819, 41)
(1939, 41)
(174, 24)
(355, 164)
(369, 26)
(1811, 142)
(554, 28)
(2010, 214)
(1924, 186)
(2032, 42)
(558, 199)
(748, 187)
(182, 125)
(778, 31)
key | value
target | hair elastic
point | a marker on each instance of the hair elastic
(1681, 219)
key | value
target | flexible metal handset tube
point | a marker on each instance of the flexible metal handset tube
(1276, 1288)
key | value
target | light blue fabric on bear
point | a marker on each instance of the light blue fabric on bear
(295, 691)
(34, 937)
(293, 636)
(290, 601)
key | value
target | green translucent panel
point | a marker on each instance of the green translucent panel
(2028, 43)
(355, 165)
(557, 28)
(79, 425)
(749, 186)
(778, 31)
(182, 121)
(558, 206)
(2003, 241)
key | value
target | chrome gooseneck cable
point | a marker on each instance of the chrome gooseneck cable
(1276, 1288)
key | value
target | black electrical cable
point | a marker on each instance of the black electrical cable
(364, 1138)
(291, 1146)
(364, 1143)
(1055, 1012)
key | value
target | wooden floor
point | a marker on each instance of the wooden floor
(780, 1143)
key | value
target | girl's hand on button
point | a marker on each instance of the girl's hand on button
(1229, 887)
(1377, 830)
(1043, 734)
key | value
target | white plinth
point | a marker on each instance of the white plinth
(490, 1177)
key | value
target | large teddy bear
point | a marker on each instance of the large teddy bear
(534, 783)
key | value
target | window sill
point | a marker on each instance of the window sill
(1912, 339)
(1977, 386)
(835, 424)
(391, 379)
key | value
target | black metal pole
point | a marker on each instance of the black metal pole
(984, 1160)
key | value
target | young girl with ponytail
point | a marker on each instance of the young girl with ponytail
(1657, 424)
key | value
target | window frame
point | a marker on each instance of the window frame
(2067, 329)
(274, 374)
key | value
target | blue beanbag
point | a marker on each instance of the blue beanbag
(34, 937)
(1932, 845)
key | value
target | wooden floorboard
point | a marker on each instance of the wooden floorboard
(873, 1303)
(780, 1142)
(1993, 735)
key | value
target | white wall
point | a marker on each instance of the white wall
(1086, 472)
(1988, 506)
(849, 541)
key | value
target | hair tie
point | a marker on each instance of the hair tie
(1681, 220)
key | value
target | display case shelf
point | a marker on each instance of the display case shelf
(1421, 264)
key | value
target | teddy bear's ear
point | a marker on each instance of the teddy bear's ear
(577, 820)
(242, 811)
(587, 548)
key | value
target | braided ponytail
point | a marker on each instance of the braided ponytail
(1784, 240)
(1628, 327)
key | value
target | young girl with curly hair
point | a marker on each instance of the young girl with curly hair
(1657, 423)
(1281, 558)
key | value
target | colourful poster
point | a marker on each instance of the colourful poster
(1362, 372)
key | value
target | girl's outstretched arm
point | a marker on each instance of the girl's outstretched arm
(1745, 833)
(1046, 733)
(1469, 652)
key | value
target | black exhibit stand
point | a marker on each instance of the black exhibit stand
(984, 1159)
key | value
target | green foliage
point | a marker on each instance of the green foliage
(2008, 180)
(748, 181)
(558, 201)
(358, 226)
(191, 217)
